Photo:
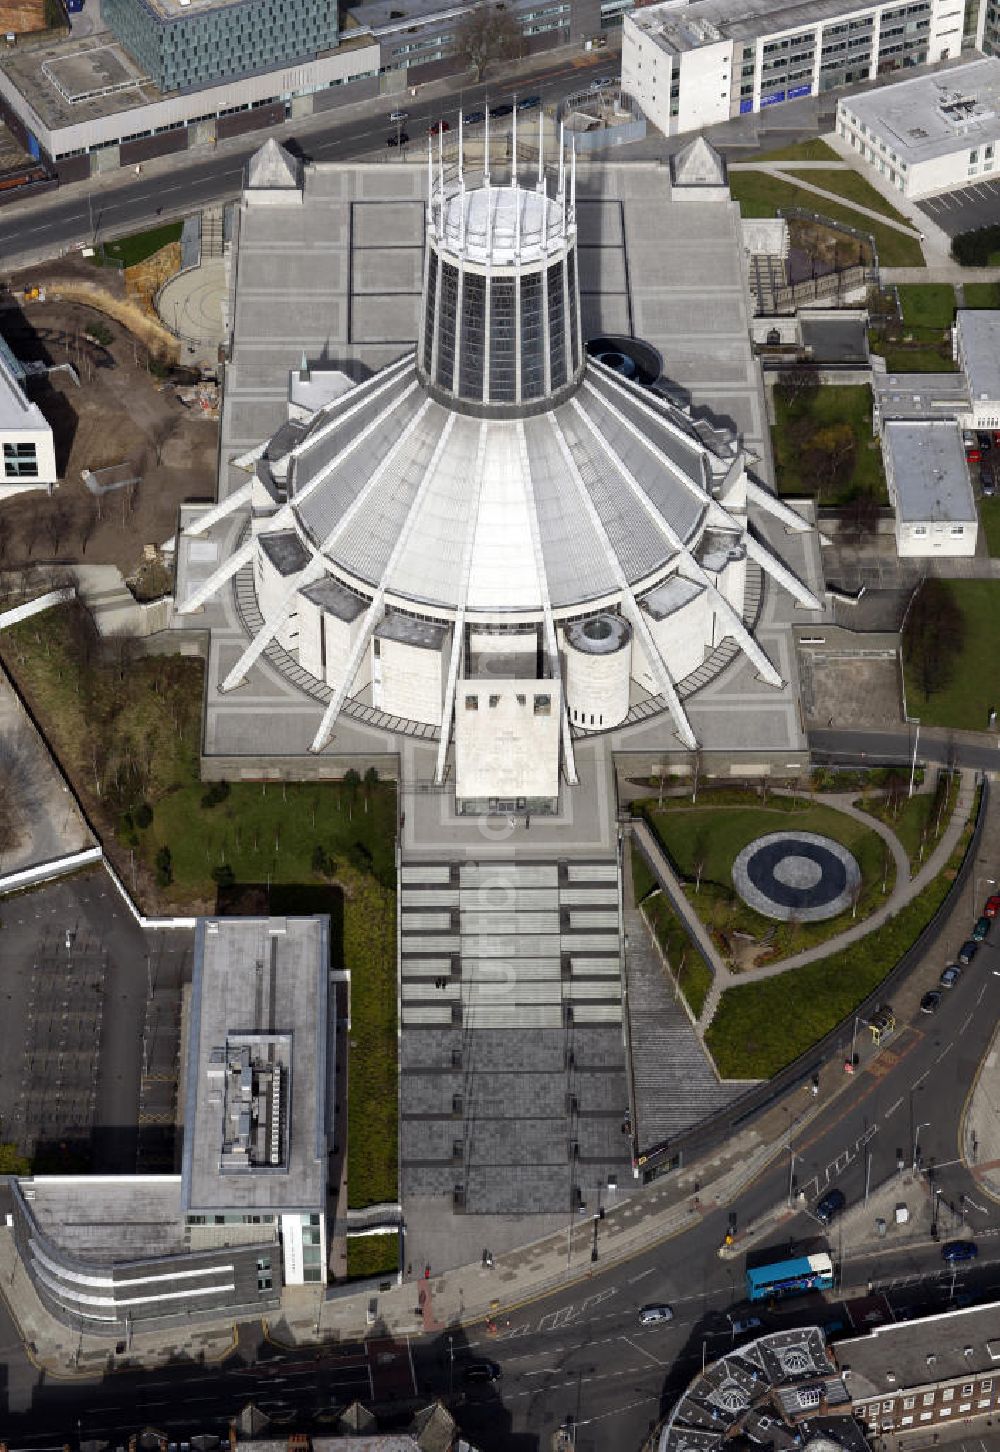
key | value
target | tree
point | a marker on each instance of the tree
(831, 456)
(164, 867)
(57, 520)
(933, 635)
(860, 516)
(20, 793)
(487, 33)
(223, 875)
(86, 521)
(797, 386)
(322, 863)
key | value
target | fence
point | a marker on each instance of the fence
(802, 215)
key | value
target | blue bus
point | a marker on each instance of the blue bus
(790, 1277)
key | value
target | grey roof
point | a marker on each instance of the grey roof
(273, 168)
(260, 977)
(698, 165)
(929, 473)
(934, 115)
(405, 628)
(593, 465)
(16, 409)
(108, 1219)
(921, 395)
(333, 597)
(902, 1348)
(670, 596)
(687, 27)
(979, 331)
(835, 340)
(285, 551)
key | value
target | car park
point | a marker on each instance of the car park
(955, 1251)
(950, 976)
(931, 1002)
(992, 906)
(982, 930)
(401, 139)
(830, 1206)
(967, 952)
(479, 1372)
(655, 1315)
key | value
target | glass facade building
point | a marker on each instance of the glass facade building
(185, 46)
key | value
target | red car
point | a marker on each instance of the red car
(438, 126)
(973, 456)
(992, 908)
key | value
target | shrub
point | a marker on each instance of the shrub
(974, 249)
(223, 875)
(217, 792)
(99, 332)
(164, 867)
(322, 863)
(142, 816)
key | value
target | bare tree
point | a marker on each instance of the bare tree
(487, 33)
(20, 790)
(160, 435)
(696, 768)
(86, 521)
(57, 520)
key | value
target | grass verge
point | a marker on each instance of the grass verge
(917, 821)
(812, 149)
(967, 699)
(927, 304)
(853, 188)
(372, 1255)
(128, 251)
(989, 519)
(981, 294)
(800, 421)
(760, 195)
(758, 1028)
(703, 842)
(692, 974)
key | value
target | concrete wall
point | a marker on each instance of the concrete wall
(681, 639)
(597, 686)
(922, 541)
(308, 767)
(705, 86)
(508, 750)
(408, 680)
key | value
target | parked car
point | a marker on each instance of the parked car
(830, 1206)
(954, 1251)
(395, 116)
(503, 110)
(973, 456)
(655, 1315)
(481, 1371)
(530, 103)
(967, 952)
(402, 139)
(742, 1324)
(473, 118)
(992, 907)
(982, 930)
(931, 1002)
(988, 485)
(437, 126)
(950, 976)
(985, 442)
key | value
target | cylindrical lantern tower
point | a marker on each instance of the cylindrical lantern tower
(500, 329)
(598, 659)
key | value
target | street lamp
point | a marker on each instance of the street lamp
(916, 743)
(916, 1140)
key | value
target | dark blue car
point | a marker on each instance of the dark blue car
(954, 1251)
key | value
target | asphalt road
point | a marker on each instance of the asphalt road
(581, 1352)
(122, 202)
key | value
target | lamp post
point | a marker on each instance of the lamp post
(913, 762)
(926, 1124)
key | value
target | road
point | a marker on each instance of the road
(124, 203)
(581, 1352)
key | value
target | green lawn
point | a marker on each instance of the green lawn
(981, 294)
(127, 251)
(989, 518)
(126, 729)
(927, 305)
(917, 821)
(758, 1028)
(372, 1255)
(812, 149)
(853, 188)
(710, 837)
(794, 431)
(760, 195)
(974, 689)
(643, 880)
(914, 357)
(693, 975)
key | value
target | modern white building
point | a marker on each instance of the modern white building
(695, 65)
(29, 458)
(976, 345)
(931, 134)
(496, 535)
(929, 488)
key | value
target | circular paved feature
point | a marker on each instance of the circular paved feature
(796, 875)
(190, 303)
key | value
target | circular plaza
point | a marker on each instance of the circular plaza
(798, 875)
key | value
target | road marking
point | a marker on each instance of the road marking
(946, 1050)
(917, 1082)
(893, 1107)
(542, 1371)
(642, 1350)
(965, 1025)
(642, 1275)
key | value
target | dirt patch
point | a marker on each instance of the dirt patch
(122, 411)
(144, 280)
(841, 692)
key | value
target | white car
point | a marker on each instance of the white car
(399, 116)
(655, 1315)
